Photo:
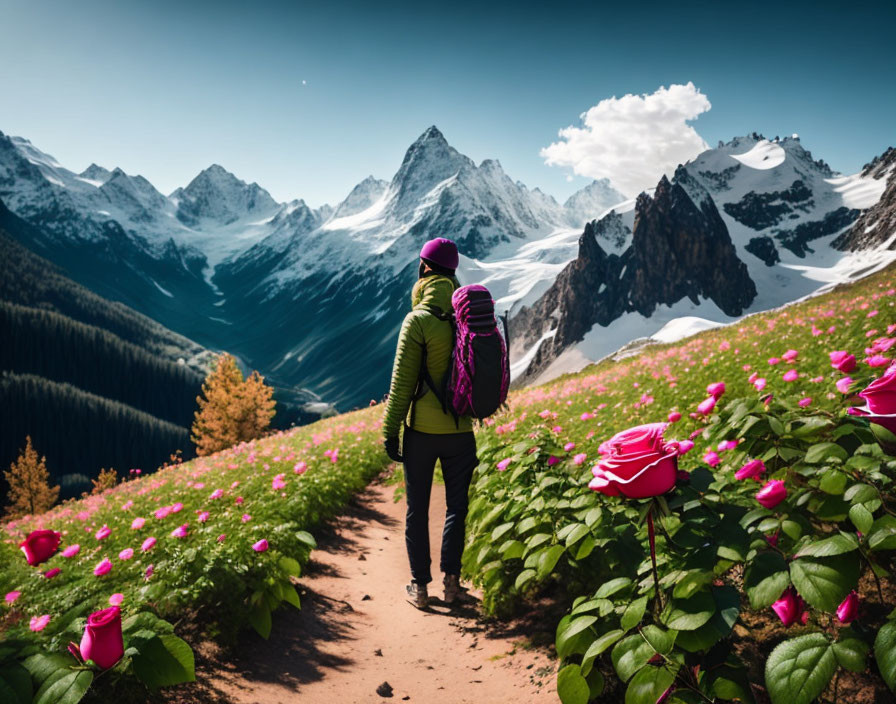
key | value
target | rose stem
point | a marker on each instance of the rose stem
(651, 537)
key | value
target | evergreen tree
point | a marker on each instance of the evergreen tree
(29, 484)
(231, 409)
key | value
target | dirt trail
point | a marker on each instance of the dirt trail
(356, 630)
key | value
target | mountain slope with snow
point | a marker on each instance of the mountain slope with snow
(313, 297)
(783, 212)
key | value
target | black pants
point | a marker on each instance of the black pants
(457, 453)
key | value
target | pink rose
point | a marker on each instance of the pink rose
(579, 458)
(103, 532)
(126, 554)
(503, 464)
(49, 574)
(71, 550)
(712, 459)
(804, 402)
(116, 599)
(791, 608)
(842, 361)
(138, 523)
(849, 608)
(260, 546)
(707, 405)
(716, 389)
(40, 546)
(790, 355)
(147, 544)
(637, 463)
(685, 446)
(880, 394)
(844, 384)
(39, 623)
(552, 460)
(791, 375)
(751, 470)
(104, 567)
(759, 383)
(102, 641)
(772, 493)
(300, 468)
(674, 417)
(12, 596)
(180, 531)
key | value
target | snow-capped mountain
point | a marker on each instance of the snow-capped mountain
(313, 297)
(597, 197)
(281, 284)
(781, 211)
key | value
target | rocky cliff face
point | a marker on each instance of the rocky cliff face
(680, 248)
(877, 225)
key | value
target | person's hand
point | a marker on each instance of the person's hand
(391, 445)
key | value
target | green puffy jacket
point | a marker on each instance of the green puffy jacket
(430, 296)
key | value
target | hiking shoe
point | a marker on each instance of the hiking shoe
(452, 588)
(418, 595)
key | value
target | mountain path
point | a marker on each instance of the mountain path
(356, 630)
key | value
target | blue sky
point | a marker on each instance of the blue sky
(164, 88)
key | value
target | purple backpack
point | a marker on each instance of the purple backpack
(479, 371)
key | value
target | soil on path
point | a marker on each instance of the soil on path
(356, 630)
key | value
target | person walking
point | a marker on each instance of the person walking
(425, 343)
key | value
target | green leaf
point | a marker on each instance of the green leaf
(824, 450)
(727, 600)
(633, 613)
(523, 578)
(765, 579)
(64, 687)
(291, 566)
(585, 548)
(576, 534)
(834, 545)
(164, 661)
(861, 517)
(882, 535)
(593, 516)
(730, 682)
(15, 684)
(689, 614)
(574, 627)
(661, 641)
(600, 645)
(548, 560)
(799, 669)
(648, 685)
(42, 665)
(860, 493)
(512, 549)
(693, 581)
(305, 537)
(291, 596)
(501, 530)
(832, 482)
(825, 582)
(572, 688)
(630, 655)
(792, 529)
(776, 425)
(885, 653)
(614, 585)
(260, 619)
(851, 653)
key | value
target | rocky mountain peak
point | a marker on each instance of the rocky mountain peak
(95, 172)
(218, 195)
(361, 197)
(427, 162)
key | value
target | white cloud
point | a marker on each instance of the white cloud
(633, 140)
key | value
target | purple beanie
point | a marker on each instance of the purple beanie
(441, 251)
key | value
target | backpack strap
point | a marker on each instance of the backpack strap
(425, 378)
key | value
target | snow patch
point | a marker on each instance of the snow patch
(764, 155)
(859, 191)
(679, 328)
(163, 290)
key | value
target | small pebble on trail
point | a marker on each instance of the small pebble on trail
(366, 597)
(361, 557)
(384, 690)
(378, 652)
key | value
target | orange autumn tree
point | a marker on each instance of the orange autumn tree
(29, 484)
(231, 409)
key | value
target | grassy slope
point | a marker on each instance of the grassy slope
(200, 573)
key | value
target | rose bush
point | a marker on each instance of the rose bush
(817, 543)
(176, 542)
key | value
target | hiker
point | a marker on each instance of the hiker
(430, 433)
